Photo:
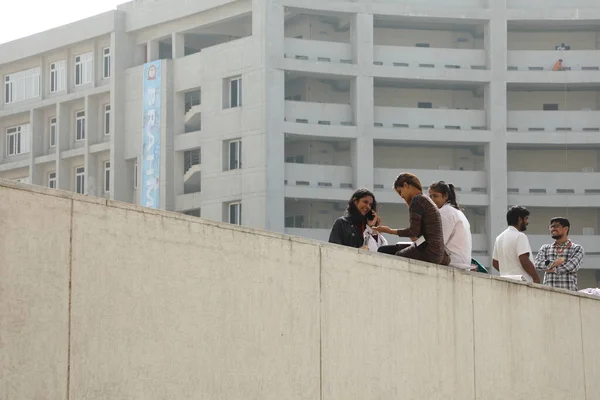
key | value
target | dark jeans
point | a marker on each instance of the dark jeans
(409, 251)
(393, 248)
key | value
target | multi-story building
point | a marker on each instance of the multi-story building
(272, 112)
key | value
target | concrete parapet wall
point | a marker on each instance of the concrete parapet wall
(105, 300)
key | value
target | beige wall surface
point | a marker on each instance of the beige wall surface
(104, 300)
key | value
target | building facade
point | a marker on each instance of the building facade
(273, 112)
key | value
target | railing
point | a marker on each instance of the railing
(190, 158)
(318, 50)
(554, 121)
(318, 113)
(191, 103)
(318, 176)
(538, 60)
(406, 117)
(403, 56)
(545, 183)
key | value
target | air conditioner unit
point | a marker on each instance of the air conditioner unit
(587, 231)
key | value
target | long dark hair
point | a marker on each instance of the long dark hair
(446, 189)
(359, 194)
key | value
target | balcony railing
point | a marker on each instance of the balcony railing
(464, 181)
(318, 176)
(404, 117)
(318, 113)
(402, 56)
(549, 4)
(317, 50)
(190, 158)
(544, 60)
(554, 121)
(546, 183)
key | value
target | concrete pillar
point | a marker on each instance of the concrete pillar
(152, 50)
(495, 96)
(44, 77)
(37, 128)
(178, 43)
(362, 100)
(178, 128)
(172, 114)
(96, 64)
(63, 141)
(271, 33)
(93, 183)
(122, 57)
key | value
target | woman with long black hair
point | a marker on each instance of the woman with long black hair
(349, 229)
(455, 225)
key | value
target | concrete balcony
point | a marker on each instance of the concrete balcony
(417, 57)
(551, 4)
(318, 113)
(318, 50)
(329, 182)
(550, 189)
(578, 121)
(471, 186)
(427, 118)
(543, 60)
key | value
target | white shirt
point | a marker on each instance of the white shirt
(374, 244)
(510, 244)
(457, 236)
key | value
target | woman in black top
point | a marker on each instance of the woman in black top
(348, 229)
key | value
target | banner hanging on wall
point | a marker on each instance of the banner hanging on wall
(150, 195)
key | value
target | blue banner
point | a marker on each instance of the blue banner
(150, 195)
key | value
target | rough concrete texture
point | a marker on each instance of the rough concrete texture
(105, 300)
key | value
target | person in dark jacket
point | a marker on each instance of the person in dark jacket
(348, 229)
(425, 228)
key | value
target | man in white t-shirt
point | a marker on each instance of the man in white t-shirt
(512, 252)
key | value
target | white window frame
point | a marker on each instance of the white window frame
(107, 177)
(22, 85)
(234, 156)
(84, 69)
(80, 180)
(52, 132)
(107, 119)
(106, 63)
(19, 135)
(57, 76)
(237, 212)
(52, 180)
(237, 102)
(79, 125)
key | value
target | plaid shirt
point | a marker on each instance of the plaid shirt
(565, 275)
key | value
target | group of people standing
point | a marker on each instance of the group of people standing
(440, 233)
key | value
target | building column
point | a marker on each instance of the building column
(63, 141)
(362, 100)
(123, 54)
(496, 105)
(268, 26)
(93, 183)
(178, 45)
(178, 129)
(37, 129)
(172, 116)
(152, 50)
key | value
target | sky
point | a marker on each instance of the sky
(26, 17)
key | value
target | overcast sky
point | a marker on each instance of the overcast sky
(26, 17)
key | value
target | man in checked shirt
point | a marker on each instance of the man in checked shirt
(562, 259)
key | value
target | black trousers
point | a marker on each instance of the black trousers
(393, 248)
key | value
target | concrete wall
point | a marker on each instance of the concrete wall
(152, 305)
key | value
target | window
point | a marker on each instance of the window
(80, 180)
(296, 221)
(22, 85)
(235, 213)
(107, 119)
(57, 76)
(550, 107)
(17, 140)
(135, 174)
(106, 63)
(84, 69)
(235, 154)
(235, 92)
(52, 180)
(80, 125)
(107, 177)
(424, 104)
(53, 132)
